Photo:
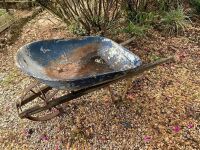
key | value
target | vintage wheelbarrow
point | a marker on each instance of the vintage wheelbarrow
(76, 65)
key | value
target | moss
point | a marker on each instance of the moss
(5, 18)
(10, 78)
(2, 12)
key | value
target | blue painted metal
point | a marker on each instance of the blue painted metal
(34, 57)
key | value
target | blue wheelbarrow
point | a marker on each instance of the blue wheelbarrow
(79, 66)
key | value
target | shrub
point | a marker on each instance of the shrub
(145, 18)
(91, 15)
(76, 29)
(147, 11)
(162, 14)
(136, 29)
(196, 4)
(136, 6)
(168, 5)
(174, 21)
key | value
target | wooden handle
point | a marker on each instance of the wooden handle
(127, 42)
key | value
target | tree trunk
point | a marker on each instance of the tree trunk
(30, 4)
(5, 5)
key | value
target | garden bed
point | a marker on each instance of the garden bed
(14, 23)
(5, 20)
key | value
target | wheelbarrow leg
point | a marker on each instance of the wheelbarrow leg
(111, 93)
(116, 98)
(128, 85)
(123, 96)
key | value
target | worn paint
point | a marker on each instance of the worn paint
(40, 54)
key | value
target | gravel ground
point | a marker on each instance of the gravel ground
(162, 110)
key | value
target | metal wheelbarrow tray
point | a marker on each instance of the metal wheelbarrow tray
(79, 65)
